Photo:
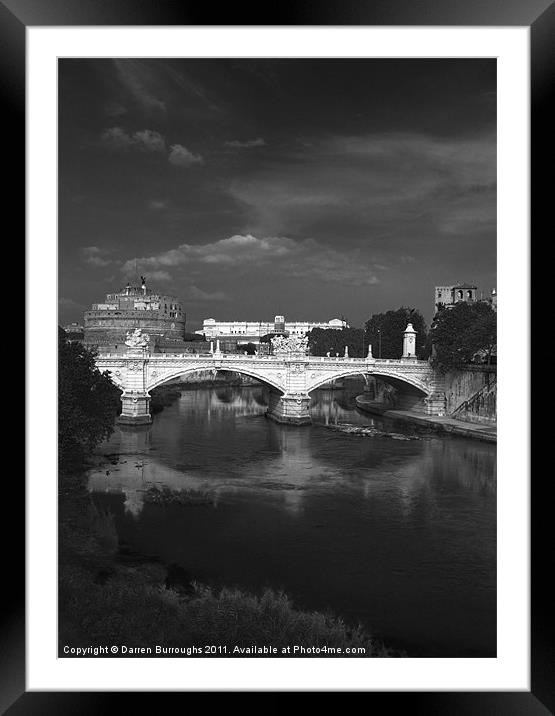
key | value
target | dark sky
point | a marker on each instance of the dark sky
(312, 188)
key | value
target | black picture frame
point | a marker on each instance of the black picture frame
(539, 16)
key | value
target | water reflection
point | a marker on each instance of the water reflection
(286, 459)
(398, 534)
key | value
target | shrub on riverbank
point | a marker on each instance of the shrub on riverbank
(130, 608)
(234, 617)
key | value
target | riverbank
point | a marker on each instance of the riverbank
(439, 424)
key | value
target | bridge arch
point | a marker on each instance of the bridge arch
(178, 372)
(401, 382)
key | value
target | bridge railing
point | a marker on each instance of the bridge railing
(258, 358)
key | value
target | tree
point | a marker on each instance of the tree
(248, 348)
(385, 331)
(461, 332)
(324, 340)
(193, 337)
(88, 402)
(267, 337)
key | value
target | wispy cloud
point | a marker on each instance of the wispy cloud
(285, 257)
(150, 140)
(193, 89)
(68, 304)
(115, 109)
(159, 276)
(372, 186)
(157, 204)
(247, 144)
(95, 256)
(192, 293)
(146, 140)
(137, 78)
(180, 156)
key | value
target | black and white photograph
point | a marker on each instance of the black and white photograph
(277, 357)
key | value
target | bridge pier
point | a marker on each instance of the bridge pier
(289, 408)
(135, 408)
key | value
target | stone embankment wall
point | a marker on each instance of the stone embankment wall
(470, 395)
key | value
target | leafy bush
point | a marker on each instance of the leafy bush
(128, 610)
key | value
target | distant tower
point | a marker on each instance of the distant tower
(448, 296)
(409, 342)
(494, 299)
(279, 324)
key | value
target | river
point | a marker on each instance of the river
(396, 534)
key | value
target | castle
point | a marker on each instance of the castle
(136, 306)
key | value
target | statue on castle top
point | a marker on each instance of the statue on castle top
(294, 344)
(137, 339)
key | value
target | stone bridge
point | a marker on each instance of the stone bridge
(291, 376)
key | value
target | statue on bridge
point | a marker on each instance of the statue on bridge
(293, 344)
(137, 339)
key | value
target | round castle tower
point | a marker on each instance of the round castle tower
(135, 306)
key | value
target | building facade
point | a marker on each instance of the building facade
(136, 306)
(253, 331)
(447, 296)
